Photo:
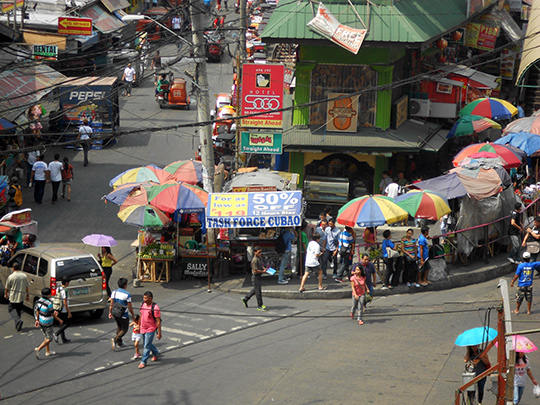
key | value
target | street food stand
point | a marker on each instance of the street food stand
(248, 219)
(155, 257)
(15, 222)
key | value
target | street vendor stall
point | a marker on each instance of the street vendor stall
(250, 219)
(21, 232)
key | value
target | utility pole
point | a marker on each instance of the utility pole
(243, 26)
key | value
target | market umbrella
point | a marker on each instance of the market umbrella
(521, 344)
(98, 239)
(187, 171)
(470, 124)
(143, 215)
(176, 196)
(141, 174)
(130, 193)
(509, 157)
(476, 336)
(424, 204)
(373, 210)
(526, 124)
(490, 107)
(529, 143)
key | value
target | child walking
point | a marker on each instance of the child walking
(522, 368)
(136, 335)
(359, 287)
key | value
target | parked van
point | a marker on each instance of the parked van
(48, 266)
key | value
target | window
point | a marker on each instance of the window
(30, 264)
(79, 267)
(43, 267)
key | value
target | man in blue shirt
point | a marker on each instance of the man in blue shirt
(331, 248)
(288, 238)
(423, 256)
(122, 297)
(525, 273)
(346, 251)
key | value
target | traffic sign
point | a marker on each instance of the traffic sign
(74, 26)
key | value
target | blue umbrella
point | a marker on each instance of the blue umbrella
(529, 143)
(476, 336)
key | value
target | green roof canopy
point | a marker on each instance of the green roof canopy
(407, 21)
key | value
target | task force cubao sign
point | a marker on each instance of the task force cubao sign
(325, 24)
(262, 92)
(254, 210)
(261, 143)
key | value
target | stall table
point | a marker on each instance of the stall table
(158, 269)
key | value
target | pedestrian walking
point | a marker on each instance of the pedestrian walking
(226, 5)
(150, 323)
(389, 249)
(39, 178)
(313, 252)
(176, 23)
(16, 292)
(31, 158)
(520, 369)
(423, 257)
(147, 5)
(257, 269)
(156, 62)
(385, 182)
(54, 171)
(346, 253)
(359, 289)
(525, 272)
(64, 314)
(15, 198)
(288, 237)
(514, 231)
(408, 247)
(369, 271)
(85, 132)
(136, 336)
(331, 248)
(45, 316)
(480, 361)
(107, 262)
(532, 239)
(120, 309)
(67, 178)
(129, 77)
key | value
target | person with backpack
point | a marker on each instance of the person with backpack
(150, 323)
(284, 247)
(61, 304)
(120, 305)
(15, 195)
(45, 316)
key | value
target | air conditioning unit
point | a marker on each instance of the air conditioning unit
(419, 107)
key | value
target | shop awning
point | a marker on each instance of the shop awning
(531, 45)
(102, 19)
(26, 85)
(41, 38)
(113, 5)
(254, 210)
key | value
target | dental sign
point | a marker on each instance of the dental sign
(262, 94)
(254, 210)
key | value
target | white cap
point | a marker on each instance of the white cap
(526, 255)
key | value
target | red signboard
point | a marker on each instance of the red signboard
(253, 189)
(7, 7)
(262, 92)
(74, 26)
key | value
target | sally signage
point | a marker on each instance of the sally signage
(261, 143)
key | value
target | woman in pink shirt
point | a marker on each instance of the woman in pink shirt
(359, 288)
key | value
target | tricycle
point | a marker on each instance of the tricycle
(171, 91)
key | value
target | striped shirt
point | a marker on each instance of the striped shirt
(345, 240)
(45, 310)
(123, 297)
(409, 246)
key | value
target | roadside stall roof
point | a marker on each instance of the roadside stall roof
(23, 86)
(114, 5)
(102, 19)
(531, 45)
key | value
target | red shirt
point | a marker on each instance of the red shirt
(359, 285)
(148, 322)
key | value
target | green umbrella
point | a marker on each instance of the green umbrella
(470, 124)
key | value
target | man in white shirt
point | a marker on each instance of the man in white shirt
(31, 158)
(129, 77)
(55, 176)
(313, 252)
(177, 23)
(85, 131)
(392, 190)
(39, 178)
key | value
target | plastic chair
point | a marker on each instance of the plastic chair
(192, 245)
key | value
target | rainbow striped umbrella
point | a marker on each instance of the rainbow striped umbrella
(490, 107)
(470, 124)
(527, 124)
(142, 215)
(140, 174)
(130, 193)
(374, 210)
(506, 154)
(175, 196)
(424, 204)
(186, 171)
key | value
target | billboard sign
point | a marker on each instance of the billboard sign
(74, 26)
(262, 93)
(261, 143)
(45, 52)
(342, 113)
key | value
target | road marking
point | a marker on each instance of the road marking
(174, 339)
(79, 374)
(188, 342)
(184, 332)
(172, 347)
(7, 337)
(205, 337)
(96, 330)
(236, 328)
(100, 368)
(219, 332)
(230, 318)
(252, 323)
(118, 363)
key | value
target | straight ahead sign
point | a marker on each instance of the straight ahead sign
(74, 26)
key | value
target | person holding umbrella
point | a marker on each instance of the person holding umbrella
(107, 261)
(479, 361)
(521, 368)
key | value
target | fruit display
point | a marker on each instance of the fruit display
(157, 251)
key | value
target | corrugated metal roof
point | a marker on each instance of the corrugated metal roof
(410, 137)
(113, 5)
(102, 20)
(408, 21)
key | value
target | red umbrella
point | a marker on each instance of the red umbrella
(174, 196)
(187, 171)
(508, 156)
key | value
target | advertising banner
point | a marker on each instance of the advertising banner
(481, 36)
(508, 62)
(45, 52)
(7, 7)
(254, 210)
(327, 25)
(74, 26)
(342, 113)
(262, 92)
(261, 143)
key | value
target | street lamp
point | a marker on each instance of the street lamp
(137, 17)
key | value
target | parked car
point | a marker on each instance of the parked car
(47, 266)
